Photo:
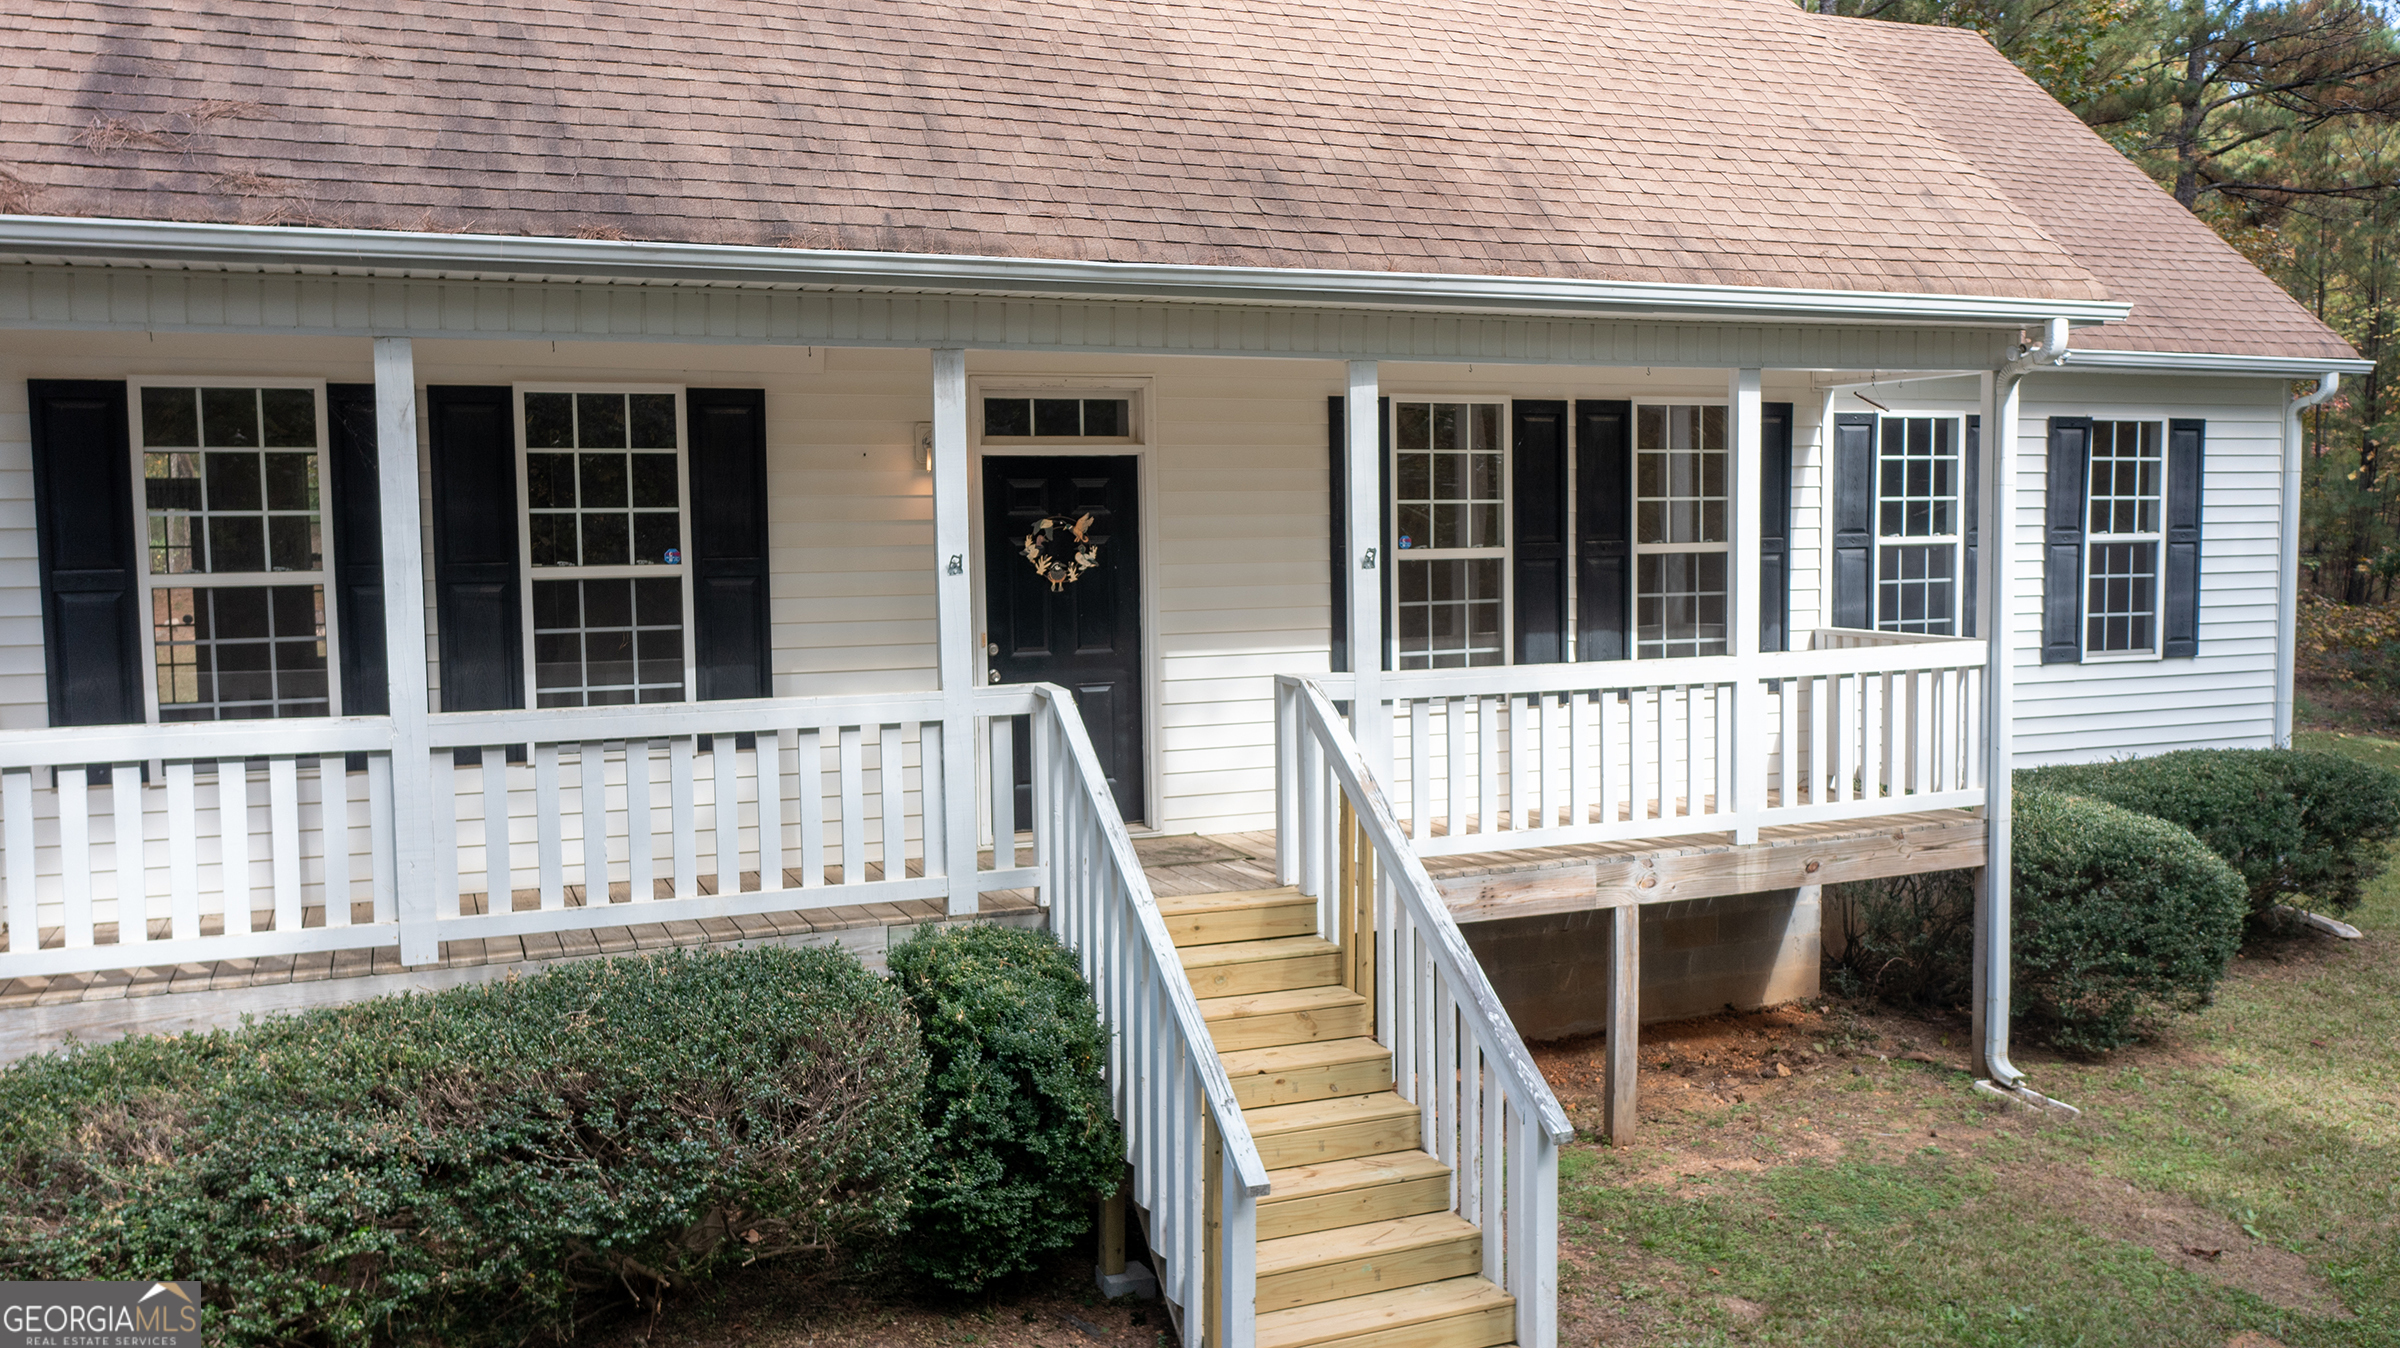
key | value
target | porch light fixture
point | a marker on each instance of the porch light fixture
(924, 446)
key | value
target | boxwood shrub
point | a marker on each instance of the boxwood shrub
(487, 1165)
(2302, 828)
(1022, 1134)
(2115, 917)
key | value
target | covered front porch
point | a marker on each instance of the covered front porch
(921, 732)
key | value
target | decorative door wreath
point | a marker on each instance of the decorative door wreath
(1062, 552)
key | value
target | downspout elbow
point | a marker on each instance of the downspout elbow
(2327, 383)
(2044, 352)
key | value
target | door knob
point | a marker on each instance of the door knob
(991, 648)
(994, 676)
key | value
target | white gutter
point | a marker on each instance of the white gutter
(2196, 362)
(1992, 917)
(2287, 601)
(370, 250)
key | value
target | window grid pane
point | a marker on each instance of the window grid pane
(1450, 613)
(1916, 589)
(1679, 475)
(1679, 600)
(1917, 480)
(231, 653)
(230, 481)
(602, 486)
(2127, 505)
(1057, 418)
(1450, 487)
(604, 643)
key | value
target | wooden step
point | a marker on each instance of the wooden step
(1266, 1019)
(1352, 1261)
(1332, 1130)
(1455, 1313)
(1290, 1073)
(1346, 1193)
(1237, 968)
(1241, 915)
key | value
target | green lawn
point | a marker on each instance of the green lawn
(1874, 1201)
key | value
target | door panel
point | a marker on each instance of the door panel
(1085, 634)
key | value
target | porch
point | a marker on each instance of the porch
(279, 863)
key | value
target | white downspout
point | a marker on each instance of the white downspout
(2287, 603)
(1997, 612)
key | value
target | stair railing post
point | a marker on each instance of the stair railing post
(1237, 1280)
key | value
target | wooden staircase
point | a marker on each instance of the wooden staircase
(1357, 1245)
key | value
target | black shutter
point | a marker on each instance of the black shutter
(2180, 623)
(475, 579)
(1853, 580)
(1603, 530)
(84, 527)
(728, 455)
(1971, 504)
(1337, 441)
(355, 512)
(2062, 540)
(1538, 525)
(1775, 527)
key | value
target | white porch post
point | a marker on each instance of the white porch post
(415, 904)
(957, 657)
(1364, 513)
(1994, 614)
(1746, 431)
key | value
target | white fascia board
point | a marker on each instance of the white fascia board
(502, 256)
(2192, 362)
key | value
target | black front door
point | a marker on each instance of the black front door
(1073, 618)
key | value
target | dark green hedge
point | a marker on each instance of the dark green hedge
(2115, 914)
(1023, 1135)
(2302, 828)
(2115, 917)
(482, 1166)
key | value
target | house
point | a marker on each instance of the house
(789, 470)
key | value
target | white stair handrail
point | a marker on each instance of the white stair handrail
(1158, 1061)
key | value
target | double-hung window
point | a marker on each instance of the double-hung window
(1450, 533)
(234, 574)
(1680, 519)
(2123, 537)
(1919, 523)
(606, 546)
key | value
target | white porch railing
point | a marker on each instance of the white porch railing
(1196, 1170)
(142, 846)
(1484, 1107)
(1868, 723)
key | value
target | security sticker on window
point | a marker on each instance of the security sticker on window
(100, 1315)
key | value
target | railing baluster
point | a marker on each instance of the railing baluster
(233, 842)
(767, 766)
(641, 873)
(1487, 764)
(1004, 792)
(1420, 768)
(133, 885)
(725, 812)
(854, 808)
(808, 795)
(75, 856)
(283, 839)
(499, 879)
(892, 795)
(1454, 762)
(333, 802)
(683, 821)
(549, 826)
(183, 849)
(591, 812)
(17, 855)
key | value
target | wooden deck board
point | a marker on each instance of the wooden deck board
(1486, 886)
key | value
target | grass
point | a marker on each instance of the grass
(2239, 1176)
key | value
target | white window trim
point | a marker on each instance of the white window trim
(322, 577)
(1633, 576)
(1505, 552)
(2158, 564)
(1136, 394)
(1957, 542)
(528, 573)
